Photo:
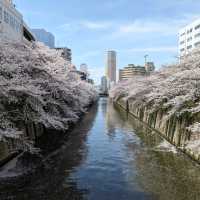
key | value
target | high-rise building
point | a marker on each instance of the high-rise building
(189, 38)
(111, 66)
(104, 85)
(66, 53)
(46, 37)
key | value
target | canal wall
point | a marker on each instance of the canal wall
(11, 147)
(33, 134)
(173, 129)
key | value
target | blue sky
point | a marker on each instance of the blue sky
(133, 28)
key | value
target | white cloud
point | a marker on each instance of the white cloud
(118, 29)
(95, 25)
(68, 28)
(140, 27)
(172, 49)
(147, 27)
(162, 27)
(75, 26)
(90, 54)
(65, 26)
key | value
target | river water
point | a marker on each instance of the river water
(109, 156)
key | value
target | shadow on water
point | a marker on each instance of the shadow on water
(50, 182)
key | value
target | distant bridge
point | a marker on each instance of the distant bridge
(103, 94)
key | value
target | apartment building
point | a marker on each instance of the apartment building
(11, 21)
(130, 71)
(189, 38)
(12, 26)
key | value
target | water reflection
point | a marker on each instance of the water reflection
(114, 119)
(50, 182)
(110, 156)
(166, 175)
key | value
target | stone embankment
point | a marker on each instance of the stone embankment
(173, 129)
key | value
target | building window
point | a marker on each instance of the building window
(197, 35)
(12, 21)
(189, 47)
(1, 13)
(189, 39)
(189, 31)
(197, 27)
(16, 25)
(182, 34)
(182, 50)
(6, 17)
(197, 44)
(182, 42)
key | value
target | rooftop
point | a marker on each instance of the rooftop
(194, 23)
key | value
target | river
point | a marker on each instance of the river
(109, 156)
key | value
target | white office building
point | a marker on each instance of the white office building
(45, 37)
(11, 21)
(189, 38)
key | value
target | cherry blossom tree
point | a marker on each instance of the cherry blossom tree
(176, 88)
(37, 86)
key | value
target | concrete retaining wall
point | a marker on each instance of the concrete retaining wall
(173, 128)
